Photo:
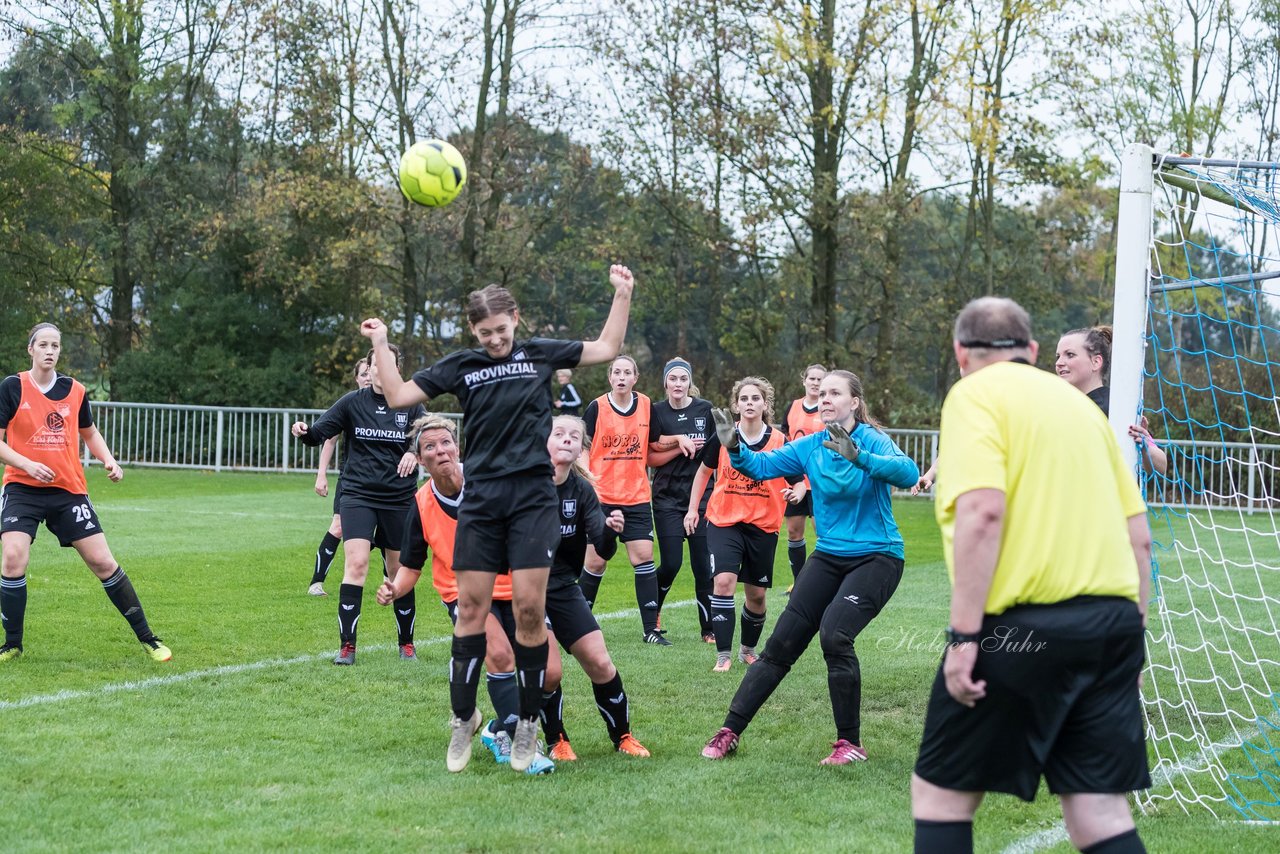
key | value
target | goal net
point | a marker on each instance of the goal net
(1197, 353)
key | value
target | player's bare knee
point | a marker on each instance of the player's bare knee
(16, 557)
(355, 572)
(723, 583)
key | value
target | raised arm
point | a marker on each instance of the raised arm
(609, 344)
(399, 393)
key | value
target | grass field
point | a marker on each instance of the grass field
(251, 740)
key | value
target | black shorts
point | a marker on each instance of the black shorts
(1062, 701)
(381, 526)
(637, 521)
(500, 608)
(337, 498)
(804, 508)
(744, 550)
(68, 516)
(568, 614)
(507, 523)
(668, 523)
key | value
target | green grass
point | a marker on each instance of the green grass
(300, 755)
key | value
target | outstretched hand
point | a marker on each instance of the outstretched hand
(726, 432)
(841, 442)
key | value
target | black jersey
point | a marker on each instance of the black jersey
(570, 400)
(1102, 396)
(505, 405)
(375, 437)
(414, 549)
(673, 481)
(581, 522)
(11, 399)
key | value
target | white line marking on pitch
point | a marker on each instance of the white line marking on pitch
(247, 667)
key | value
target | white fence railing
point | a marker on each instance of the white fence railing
(1236, 475)
(208, 437)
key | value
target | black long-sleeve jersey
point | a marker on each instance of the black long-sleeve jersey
(581, 522)
(375, 437)
(673, 481)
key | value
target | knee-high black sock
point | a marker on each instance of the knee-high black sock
(647, 595)
(464, 673)
(796, 553)
(531, 672)
(406, 614)
(505, 698)
(13, 608)
(552, 714)
(700, 566)
(752, 627)
(349, 598)
(590, 584)
(670, 556)
(385, 574)
(1122, 843)
(120, 591)
(612, 702)
(722, 622)
(324, 557)
(954, 837)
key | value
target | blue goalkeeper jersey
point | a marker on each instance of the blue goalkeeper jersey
(851, 509)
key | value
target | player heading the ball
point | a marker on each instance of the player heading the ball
(508, 516)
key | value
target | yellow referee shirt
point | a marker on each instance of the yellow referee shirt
(1049, 449)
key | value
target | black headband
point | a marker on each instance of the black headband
(998, 343)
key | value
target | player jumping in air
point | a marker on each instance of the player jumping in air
(507, 518)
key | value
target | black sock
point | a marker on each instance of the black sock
(324, 557)
(722, 622)
(13, 608)
(464, 674)
(1123, 843)
(590, 584)
(120, 591)
(671, 554)
(752, 627)
(611, 700)
(406, 613)
(383, 551)
(953, 837)
(796, 554)
(647, 595)
(349, 597)
(552, 714)
(505, 698)
(531, 673)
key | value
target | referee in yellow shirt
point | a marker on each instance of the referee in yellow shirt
(1046, 541)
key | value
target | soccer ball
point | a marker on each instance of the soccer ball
(432, 173)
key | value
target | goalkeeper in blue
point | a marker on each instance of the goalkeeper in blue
(852, 572)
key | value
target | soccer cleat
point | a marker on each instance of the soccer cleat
(316, 589)
(721, 744)
(460, 741)
(708, 637)
(631, 747)
(656, 638)
(10, 652)
(562, 751)
(498, 742)
(346, 655)
(157, 650)
(723, 662)
(524, 744)
(540, 764)
(407, 652)
(844, 752)
(747, 655)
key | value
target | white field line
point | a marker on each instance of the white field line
(247, 667)
(1057, 834)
